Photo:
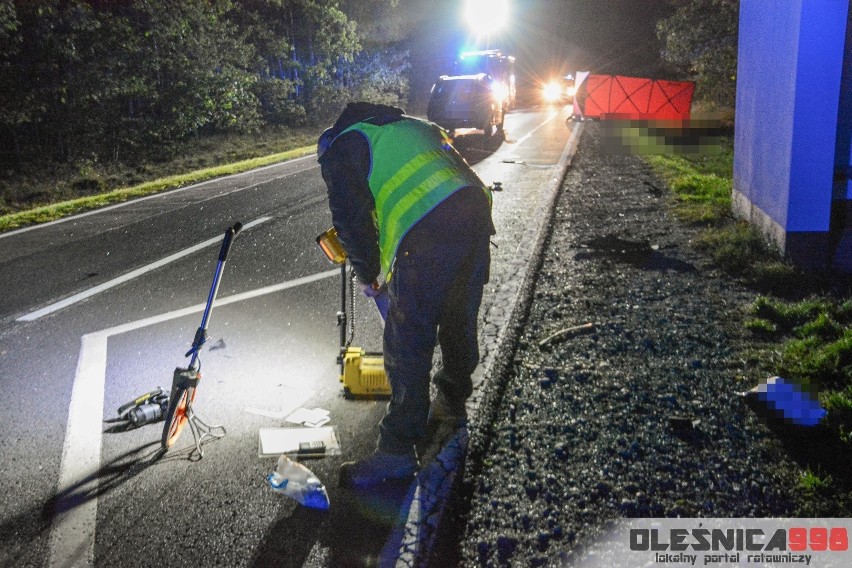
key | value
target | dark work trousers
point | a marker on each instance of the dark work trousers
(435, 290)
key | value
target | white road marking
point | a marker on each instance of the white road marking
(56, 306)
(72, 537)
(72, 542)
(529, 134)
(153, 196)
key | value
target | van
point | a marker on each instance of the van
(466, 101)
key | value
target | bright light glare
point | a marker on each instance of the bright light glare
(486, 16)
(571, 91)
(501, 91)
(551, 92)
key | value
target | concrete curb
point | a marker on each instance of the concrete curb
(412, 542)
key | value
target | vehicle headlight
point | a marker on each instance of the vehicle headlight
(500, 91)
(551, 92)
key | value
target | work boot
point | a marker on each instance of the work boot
(445, 420)
(378, 468)
(444, 412)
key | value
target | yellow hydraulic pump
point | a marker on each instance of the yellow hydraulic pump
(361, 373)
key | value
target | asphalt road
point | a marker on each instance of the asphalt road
(101, 307)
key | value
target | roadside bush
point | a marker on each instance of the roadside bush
(380, 76)
(277, 102)
(700, 41)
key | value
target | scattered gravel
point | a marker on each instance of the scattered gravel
(636, 417)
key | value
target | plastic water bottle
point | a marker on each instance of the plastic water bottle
(298, 482)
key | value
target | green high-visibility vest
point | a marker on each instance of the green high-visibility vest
(413, 169)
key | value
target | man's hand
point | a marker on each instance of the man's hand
(372, 289)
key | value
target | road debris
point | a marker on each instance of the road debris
(683, 423)
(298, 482)
(566, 333)
(310, 418)
(777, 398)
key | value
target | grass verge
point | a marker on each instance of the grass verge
(800, 326)
(37, 193)
(55, 211)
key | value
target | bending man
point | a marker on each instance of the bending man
(406, 205)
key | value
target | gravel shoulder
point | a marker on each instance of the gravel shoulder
(637, 417)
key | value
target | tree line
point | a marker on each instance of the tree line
(116, 78)
(699, 41)
(124, 80)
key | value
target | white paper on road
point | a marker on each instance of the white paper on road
(272, 442)
(295, 398)
(311, 418)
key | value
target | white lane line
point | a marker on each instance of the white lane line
(74, 544)
(72, 536)
(129, 276)
(529, 134)
(124, 328)
(155, 196)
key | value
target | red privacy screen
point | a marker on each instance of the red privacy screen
(633, 97)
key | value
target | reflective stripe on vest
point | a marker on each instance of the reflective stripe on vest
(417, 170)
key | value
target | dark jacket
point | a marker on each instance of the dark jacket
(345, 168)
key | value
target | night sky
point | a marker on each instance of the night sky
(547, 37)
(603, 36)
